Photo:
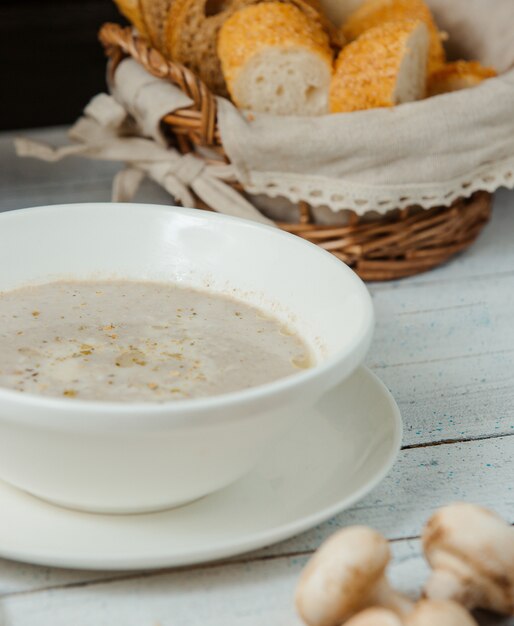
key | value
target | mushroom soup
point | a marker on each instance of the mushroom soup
(135, 341)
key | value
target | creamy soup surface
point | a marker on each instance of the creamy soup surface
(130, 341)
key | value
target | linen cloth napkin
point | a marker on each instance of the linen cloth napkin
(426, 153)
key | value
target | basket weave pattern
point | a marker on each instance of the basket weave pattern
(399, 244)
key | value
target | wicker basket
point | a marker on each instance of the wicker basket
(402, 243)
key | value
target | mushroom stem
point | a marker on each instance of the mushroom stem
(385, 596)
(471, 552)
(446, 585)
(424, 613)
(439, 613)
(375, 617)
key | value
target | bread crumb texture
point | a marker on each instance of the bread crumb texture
(268, 25)
(155, 14)
(367, 71)
(374, 13)
(191, 35)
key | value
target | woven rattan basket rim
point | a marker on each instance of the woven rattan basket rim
(402, 243)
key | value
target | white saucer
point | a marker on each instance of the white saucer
(336, 455)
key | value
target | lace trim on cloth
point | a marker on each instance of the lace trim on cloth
(343, 163)
(339, 196)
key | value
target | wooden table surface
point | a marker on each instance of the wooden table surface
(444, 345)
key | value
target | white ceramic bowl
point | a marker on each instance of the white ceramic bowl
(116, 457)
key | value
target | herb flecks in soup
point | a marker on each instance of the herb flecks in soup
(135, 341)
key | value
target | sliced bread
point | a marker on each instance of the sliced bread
(276, 60)
(314, 10)
(131, 9)
(193, 27)
(384, 67)
(376, 12)
(458, 75)
(155, 15)
(192, 31)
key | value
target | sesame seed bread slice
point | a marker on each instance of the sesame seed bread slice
(131, 9)
(384, 67)
(276, 60)
(376, 12)
(155, 15)
(458, 75)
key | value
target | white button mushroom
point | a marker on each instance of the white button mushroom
(439, 613)
(345, 576)
(375, 617)
(471, 551)
(425, 613)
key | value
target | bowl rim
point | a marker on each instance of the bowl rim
(186, 408)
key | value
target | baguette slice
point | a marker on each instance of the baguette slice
(314, 10)
(131, 9)
(458, 75)
(276, 60)
(192, 29)
(384, 67)
(376, 12)
(155, 15)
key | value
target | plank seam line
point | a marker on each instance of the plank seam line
(444, 442)
(444, 308)
(164, 572)
(171, 570)
(476, 355)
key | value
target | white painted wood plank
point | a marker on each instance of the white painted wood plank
(446, 351)
(434, 322)
(237, 594)
(78, 191)
(455, 399)
(422, 480)
(57, 194)
(21, 174)
(30, 182)
(244, 594)
(21, 577)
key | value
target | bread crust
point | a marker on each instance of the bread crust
(373, 13)
(192, 35)
(131, 9)
(264, 28)
(268, 24)
(458, 75)
(191, 38)
(155, 14)
(367, 70)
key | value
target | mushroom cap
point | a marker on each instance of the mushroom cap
(425, 613)
(439, 613)
(375, 617)
(341, 574)
(472, 550)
